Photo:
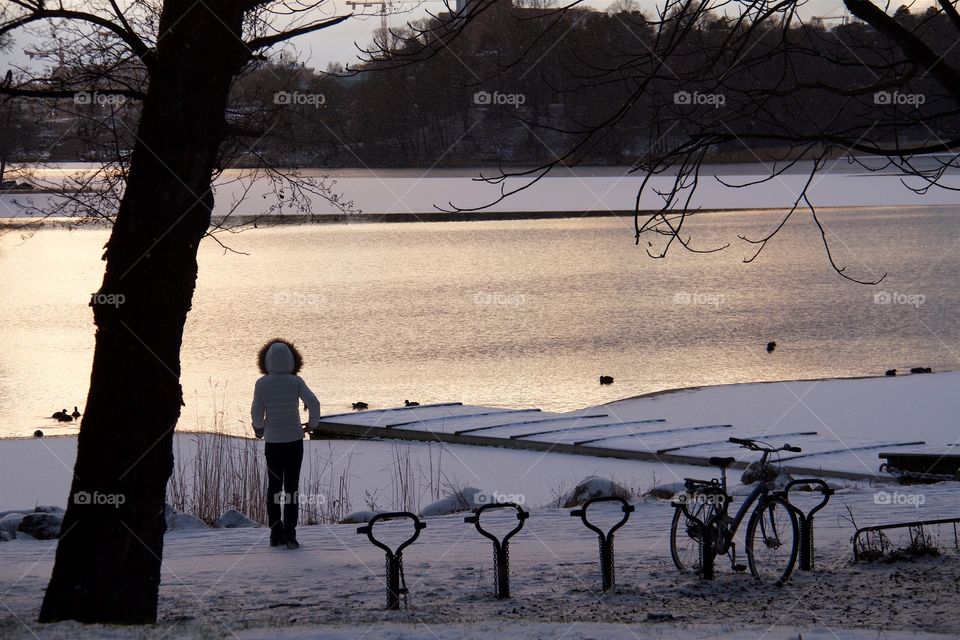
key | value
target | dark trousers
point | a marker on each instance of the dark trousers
(283, 485)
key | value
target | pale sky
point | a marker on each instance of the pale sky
(337, 44)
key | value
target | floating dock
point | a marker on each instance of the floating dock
(601, 433)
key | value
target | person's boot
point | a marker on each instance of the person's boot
(276, 537)
(291, 539)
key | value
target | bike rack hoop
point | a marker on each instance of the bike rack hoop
(806, 554)
(475, 519)
(606, 538)
(820, 485)
(625, 506)
(418, 525)
(501, 557)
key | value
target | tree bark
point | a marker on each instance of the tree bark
(108, 561)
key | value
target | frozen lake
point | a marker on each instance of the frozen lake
(414, 191)
(508, 313)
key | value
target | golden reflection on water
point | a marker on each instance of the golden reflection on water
(512, 313)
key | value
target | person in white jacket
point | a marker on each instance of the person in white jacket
(275, 414)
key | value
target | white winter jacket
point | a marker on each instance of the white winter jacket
(275, 412)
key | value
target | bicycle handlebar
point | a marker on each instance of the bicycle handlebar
(753, 445)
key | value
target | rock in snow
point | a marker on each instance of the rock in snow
(57, 511)
(594, 487)
(466, 499)
(9, 524)
(42, 526)
(233, 519)
(177, 520)
(358, 517)
(666, 491)
(187, 521)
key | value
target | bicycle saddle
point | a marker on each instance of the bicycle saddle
(723, 463)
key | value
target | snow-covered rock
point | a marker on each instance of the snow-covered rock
(42, 526)
(9, 524)
(466, 499)
(358, 517)
(233, 519)
(594, 487)
(666, 491)
(177, 520)
(57, 511)
(183, 521)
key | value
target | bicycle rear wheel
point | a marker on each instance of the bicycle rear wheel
(773, 539)
(685, 536)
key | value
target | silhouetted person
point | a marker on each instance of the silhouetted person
(276, 418)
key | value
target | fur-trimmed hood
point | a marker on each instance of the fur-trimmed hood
(279, 356)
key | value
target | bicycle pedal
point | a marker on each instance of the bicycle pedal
(739, 568)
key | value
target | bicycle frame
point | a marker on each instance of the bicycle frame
(709, 530)
(727, 526)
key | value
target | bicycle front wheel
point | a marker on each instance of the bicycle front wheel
(773, 539)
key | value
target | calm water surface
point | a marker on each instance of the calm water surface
(512, 313)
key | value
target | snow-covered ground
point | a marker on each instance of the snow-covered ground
(230, 583)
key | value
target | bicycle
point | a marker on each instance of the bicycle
(702, 529)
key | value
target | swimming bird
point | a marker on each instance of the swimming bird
(62, 416)
(771, 346)
(891, 372)
(360, 406)
(407, 403)
(76, 412)
(921, 370)
(606, 379)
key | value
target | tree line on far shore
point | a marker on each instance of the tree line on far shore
(503, 94)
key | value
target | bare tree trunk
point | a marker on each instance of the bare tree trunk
(108, 560)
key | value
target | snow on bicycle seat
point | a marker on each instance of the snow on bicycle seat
(723, 463)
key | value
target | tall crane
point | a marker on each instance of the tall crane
(819, 20)
(386, 6)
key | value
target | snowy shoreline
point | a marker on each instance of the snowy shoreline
(230, 583)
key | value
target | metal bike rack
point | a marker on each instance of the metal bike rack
(805, 561)
(396, 585)
(606, 538)
(501, 548)
(914, 528)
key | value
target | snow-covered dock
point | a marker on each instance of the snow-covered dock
(608, 432)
